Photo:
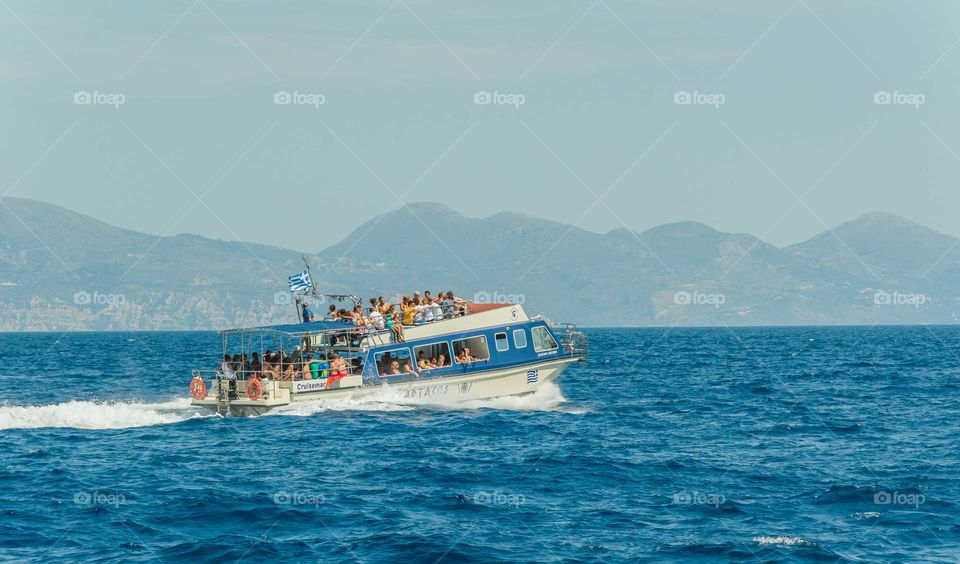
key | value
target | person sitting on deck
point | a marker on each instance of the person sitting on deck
(255, 365)
(338, 369)
(391, 320)
(442, 361)
(331, 313)
(307, 313)
(227, 368)
(376, 317)
(393, 370)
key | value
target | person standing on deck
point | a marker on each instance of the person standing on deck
(307, 314)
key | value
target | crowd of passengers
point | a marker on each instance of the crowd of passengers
(287, 367)
(382, 315)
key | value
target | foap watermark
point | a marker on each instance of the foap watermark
(698, 498)
(899, 498)
(498, 497)
(84, 298)
(296, 98)
(498, 298)
(495, 98)
(895, 98)
(697, 98)
(299, 498)
(698, 298)
(97, 497)
(95, 98)
(883, 297)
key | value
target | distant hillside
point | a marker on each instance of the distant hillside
(879, 268)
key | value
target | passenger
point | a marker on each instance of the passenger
(288, 371)
(409, 311)
(394, 368)
(382, 305)
(416, 298)
(442, 361)
(307, 313)
(227, 368)
(255, 365)
(422, 361)
(338, 369)
(385, 362)
(391, 321)
(437, 309)
(427, 309)
(408, 369)
(376, 318)
(449, 306)
(331, 313)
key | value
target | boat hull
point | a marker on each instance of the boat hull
(509, 381)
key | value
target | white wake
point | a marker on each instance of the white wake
(96, 414)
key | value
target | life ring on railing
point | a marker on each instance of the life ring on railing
(198, 389)
(254, 389)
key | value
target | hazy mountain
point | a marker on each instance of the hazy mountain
(63, 270)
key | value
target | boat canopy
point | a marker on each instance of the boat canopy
(299, 329)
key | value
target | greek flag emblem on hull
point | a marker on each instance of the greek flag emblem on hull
(532, 376)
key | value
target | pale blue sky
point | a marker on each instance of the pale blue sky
(399, 80)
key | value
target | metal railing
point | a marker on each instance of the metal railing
(574, 343)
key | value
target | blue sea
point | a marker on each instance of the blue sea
(770, 444)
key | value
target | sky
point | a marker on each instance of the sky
(292, 123)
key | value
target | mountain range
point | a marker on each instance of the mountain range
(60, 270)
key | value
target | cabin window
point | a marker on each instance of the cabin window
(432, 354)
(477, 348)
(385, 361)
(519, 339)
(501, 341)
(543, 340)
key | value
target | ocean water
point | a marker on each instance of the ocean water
(774, 444)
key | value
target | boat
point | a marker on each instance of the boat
(508, 353)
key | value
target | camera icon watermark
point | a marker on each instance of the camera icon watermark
(698, 498)
(498, 497)
(299, 498)
(895, 98)
(898, 498)
(96, 498)
(85, 298)
(296, 98)
(698, 298)
(95, 98)
(696, 98)
(895, 298)
(282, 298)
(498, 298)
(495, 98)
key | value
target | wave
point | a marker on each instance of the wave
(782, 541)
(79, 414)
(546, 398)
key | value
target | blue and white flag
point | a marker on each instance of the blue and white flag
(300, 281)
(532, 376)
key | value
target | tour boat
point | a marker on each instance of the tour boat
(510, 354)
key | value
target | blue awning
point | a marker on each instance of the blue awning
(300, 328)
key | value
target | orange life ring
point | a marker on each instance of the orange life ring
(198, 389)
(254, 389)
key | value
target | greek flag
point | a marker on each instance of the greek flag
(300, 281)
(532, 376)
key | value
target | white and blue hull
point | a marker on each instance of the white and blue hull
(479, 385)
